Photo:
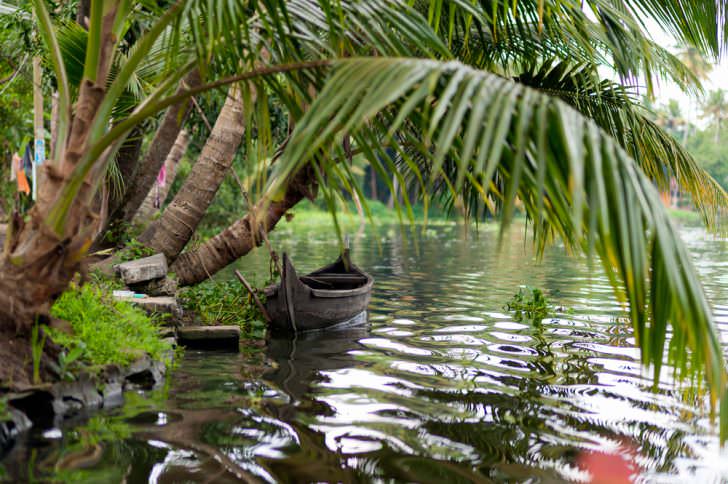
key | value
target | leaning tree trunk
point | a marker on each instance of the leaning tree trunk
(143, 178)
(244, 235)
(127, 160)
(158, 194)
(171, 232)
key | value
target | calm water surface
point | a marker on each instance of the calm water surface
(441, 384)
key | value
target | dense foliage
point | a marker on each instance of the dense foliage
(16, 98)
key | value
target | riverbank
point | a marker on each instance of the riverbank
(92, 350)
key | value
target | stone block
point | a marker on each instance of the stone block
(165, 286)
(162, 304)
(210, 337)
(141, 270)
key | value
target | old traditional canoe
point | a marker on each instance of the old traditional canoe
(329, 296)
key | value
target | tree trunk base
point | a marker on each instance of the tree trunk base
(16, 371)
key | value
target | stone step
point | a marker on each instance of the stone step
(210, 337)
(142, 270)
(161, 304)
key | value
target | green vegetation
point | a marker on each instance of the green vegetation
(712, 155)
(307, 213)
(223, 303)
(16, 98)
(704, 144)
(438, 106)
(37, 342)
(133, 250)
(4, 412)
(685, 216)
(529, 304)
(106, 331)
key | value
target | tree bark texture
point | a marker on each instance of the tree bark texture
(158, 194)
(171, 232)
(127, 160)
(146, 173)
(244, 235)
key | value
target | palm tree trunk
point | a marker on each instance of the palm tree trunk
(244, 235)
(717, 131)
(40, 257)
(158, 194)
(145, 175)
(127, 160)
(171, 232)
(39, 263)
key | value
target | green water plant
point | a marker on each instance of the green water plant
(105, 331)
(530, 304)
(224, 303)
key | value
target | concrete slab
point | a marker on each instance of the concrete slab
(141, 270)
(210, 337)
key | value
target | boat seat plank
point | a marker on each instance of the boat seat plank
(329, 275)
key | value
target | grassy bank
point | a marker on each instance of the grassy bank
(685, 216)
(307, 213)
(104, 331)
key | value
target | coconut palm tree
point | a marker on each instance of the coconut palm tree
(715, 108)
(694, 60)
(701, 68)
(171, 232)
(487, 103)
(158, 193)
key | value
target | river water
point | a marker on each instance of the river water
(442, 384)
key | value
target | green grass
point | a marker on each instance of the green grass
(106, 331)
(685, 216)
(307, 214)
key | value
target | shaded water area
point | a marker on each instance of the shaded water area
(441, 385)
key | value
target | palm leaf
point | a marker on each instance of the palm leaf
(616, 110)
(503, 35)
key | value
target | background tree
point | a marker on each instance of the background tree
(715, 108)
(696, 62)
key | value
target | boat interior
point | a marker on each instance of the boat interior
(334, 281)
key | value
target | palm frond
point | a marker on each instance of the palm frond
(503, 35)
(514, 143)
(615, 108)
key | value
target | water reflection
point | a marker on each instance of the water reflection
(441, 385)
(299, 362)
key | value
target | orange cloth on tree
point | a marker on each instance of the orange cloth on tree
(23, 185)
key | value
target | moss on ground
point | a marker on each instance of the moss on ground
(105, 331)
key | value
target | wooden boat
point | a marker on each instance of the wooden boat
(329, 296)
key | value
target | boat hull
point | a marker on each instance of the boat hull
(332, 295)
